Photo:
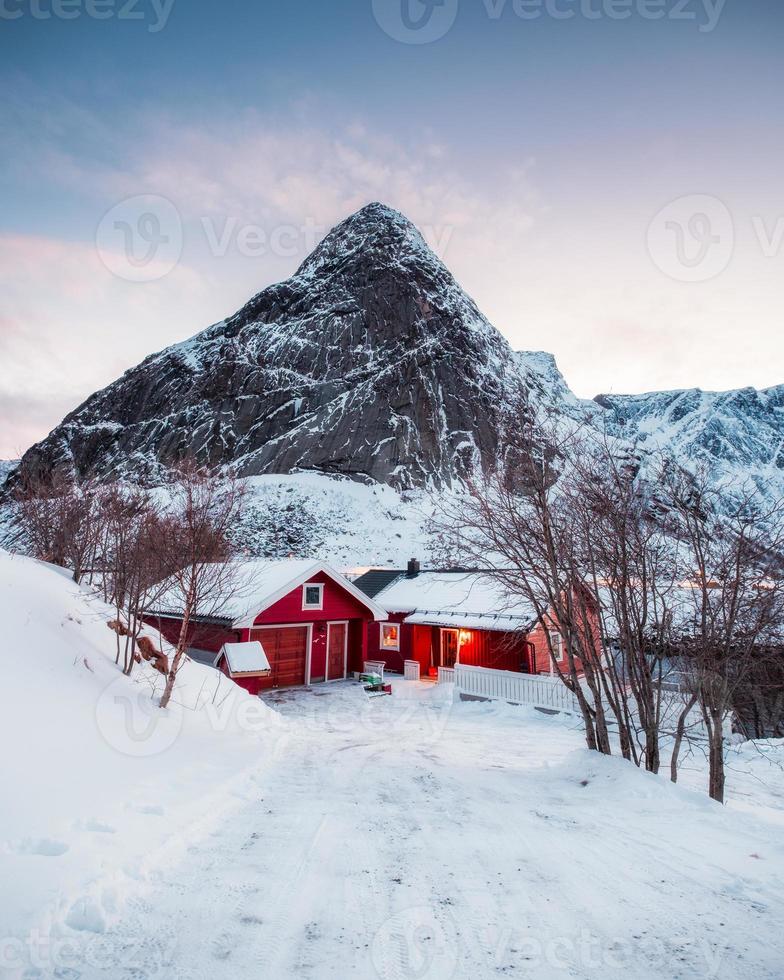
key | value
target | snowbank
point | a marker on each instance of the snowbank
(97, 780)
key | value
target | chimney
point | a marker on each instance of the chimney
(413, 568)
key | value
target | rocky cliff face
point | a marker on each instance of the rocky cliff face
(370, 361)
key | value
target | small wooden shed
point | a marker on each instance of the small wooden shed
(245, 663)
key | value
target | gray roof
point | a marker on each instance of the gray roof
(373, 581)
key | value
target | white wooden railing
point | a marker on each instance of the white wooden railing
(505, 685)
(411, 670)
(446, 675)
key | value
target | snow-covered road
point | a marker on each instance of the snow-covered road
(407, 837)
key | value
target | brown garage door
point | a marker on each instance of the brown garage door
(286, 649)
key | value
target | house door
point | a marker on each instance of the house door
(448, 648)
(337, 645)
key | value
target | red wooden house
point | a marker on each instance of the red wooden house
(311, 621)
(440, 618)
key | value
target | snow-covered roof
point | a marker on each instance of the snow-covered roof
(468, 621)
(256, 585)
(244, 658)
(474, 600)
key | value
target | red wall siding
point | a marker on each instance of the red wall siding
(482, 648)
(538, 638)
(318, 652)
(422, 647)
(357, 643)
(338, 604)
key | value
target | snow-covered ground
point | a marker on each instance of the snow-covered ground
(408, 837)
(398, 837)
(97, 783)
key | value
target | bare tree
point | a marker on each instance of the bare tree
(131, 561)
(517, 524)
(60, 521)
(732, 603)
(195, 550)
(633, 570)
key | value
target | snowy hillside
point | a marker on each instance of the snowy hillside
(98, 782)
(343, 522)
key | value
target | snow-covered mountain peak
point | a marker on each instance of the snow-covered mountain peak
(376, 233)
(370, 361)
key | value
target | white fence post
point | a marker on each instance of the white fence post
(446, 675)
(411, 670)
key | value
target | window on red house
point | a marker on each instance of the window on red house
(313, 596)
(390, 636)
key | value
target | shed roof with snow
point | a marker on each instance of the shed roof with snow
(244, 658)
(255, 585)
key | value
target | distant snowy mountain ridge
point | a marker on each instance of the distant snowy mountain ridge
(738, 434)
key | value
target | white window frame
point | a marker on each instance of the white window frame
(310, 605)
(382, 644)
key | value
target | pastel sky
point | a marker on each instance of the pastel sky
(604, 177)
